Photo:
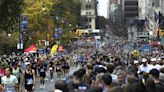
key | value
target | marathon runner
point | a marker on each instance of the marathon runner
(9, 82)
(28, 79)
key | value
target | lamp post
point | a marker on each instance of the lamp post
(46, 41)
(20, 39)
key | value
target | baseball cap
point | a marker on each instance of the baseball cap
(153, 59)
(144, 60)
(159, 59)
(27, 63)
(136, 61)
(57, 90)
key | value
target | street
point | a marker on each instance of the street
(50, 84)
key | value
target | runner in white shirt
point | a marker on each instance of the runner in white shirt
(9, 82)
(145, 67)
(154, 64)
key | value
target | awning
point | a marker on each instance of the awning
(153, 43)
(145, 47)
(31, 49)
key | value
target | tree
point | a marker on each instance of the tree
(8, 43)
(67, 12)
(38, 12)
(10, 11)
(56, 13)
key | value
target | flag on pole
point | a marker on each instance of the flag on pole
(53, 50)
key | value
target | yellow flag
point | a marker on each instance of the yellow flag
(53, 50)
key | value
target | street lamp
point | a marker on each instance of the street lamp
(9, 35)
(43, 8)
(46, 42)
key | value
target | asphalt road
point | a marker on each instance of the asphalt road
(50, 84)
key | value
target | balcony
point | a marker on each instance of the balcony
(130, 14)
(132, 8)
(131, 2)
(142, 34)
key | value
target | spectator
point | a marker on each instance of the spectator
(154, 74)
(144, 67)
(110, 69)
(78, 80)
(94, 89)
(150, 85)
(116, 89)
(9, 82)
(60, 86)
(107, 81)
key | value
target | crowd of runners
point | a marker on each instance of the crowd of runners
(105, 69)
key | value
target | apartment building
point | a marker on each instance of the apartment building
(89, 11)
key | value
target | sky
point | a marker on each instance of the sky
(102, 8)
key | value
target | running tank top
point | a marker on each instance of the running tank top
(16, 72)
(28, 78)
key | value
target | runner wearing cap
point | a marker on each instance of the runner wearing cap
(144, 67)
(136, 62)
(154, 64)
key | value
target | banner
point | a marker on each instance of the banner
(24, 24)
(57, 33)
(53, 50)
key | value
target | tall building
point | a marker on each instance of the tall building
(162, 6)
(121, 11)
(114, 10)
(89, 11)
(130, 9)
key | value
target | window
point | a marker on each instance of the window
(88, 13)
(88, 6)
(89, 26)
(88, 1)
(89, 20)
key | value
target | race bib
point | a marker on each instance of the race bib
(29, 81)
(82, 88)
(9, 91)
(58, 68)
(41, 70)
(9, 88)
(50, 68)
